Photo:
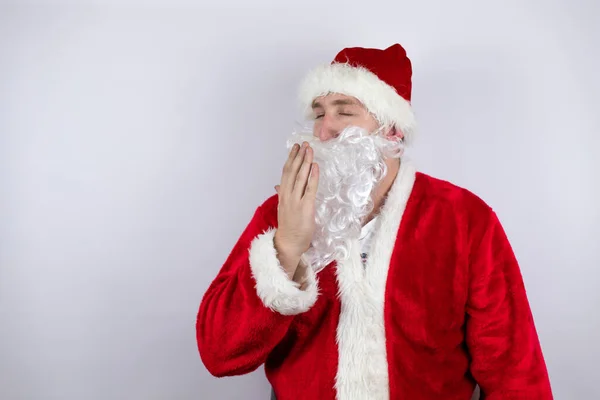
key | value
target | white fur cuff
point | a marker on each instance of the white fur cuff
(276, 290)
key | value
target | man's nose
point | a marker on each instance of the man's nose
(328, 129)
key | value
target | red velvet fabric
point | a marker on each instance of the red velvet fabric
(456, 312)
(391, 65)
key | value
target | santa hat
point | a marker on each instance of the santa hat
(379, 79)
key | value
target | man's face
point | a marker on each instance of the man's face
(352, 154)
(335, 112)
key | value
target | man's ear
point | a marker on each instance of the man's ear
(394, 134)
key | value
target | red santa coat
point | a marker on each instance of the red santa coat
(439, 307)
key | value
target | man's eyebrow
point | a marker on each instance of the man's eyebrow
(339, 102)
(316, 104)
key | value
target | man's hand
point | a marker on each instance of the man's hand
(296, 211)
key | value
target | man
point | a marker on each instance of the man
(363, 278)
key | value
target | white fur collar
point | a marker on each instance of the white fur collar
(363, 369)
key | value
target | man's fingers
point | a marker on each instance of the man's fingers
(302, 177)
(293, 172)
(313, 182)
(288, 166)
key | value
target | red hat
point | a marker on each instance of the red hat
(380, 79)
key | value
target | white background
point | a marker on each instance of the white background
(137, 138)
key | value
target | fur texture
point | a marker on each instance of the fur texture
(363, 368)
(273, 285)
(378, 97)
(455, 310)
(350, 167)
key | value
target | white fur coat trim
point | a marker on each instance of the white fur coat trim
(276, 290)
(381, 99)
(362, 365)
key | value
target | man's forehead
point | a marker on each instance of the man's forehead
(335, 99)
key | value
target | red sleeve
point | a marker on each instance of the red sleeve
(506, 356)
(249, 306)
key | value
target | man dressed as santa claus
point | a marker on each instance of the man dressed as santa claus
(364, 279)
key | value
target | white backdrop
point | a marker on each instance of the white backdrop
(136, 139)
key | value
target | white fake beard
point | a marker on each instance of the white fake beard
(350, 168)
